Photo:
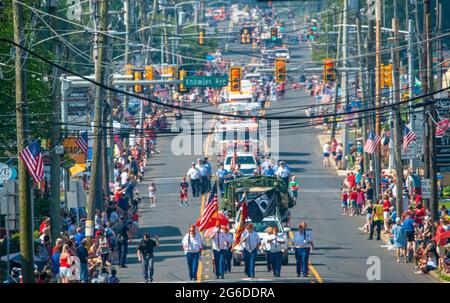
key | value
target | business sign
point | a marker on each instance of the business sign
(443, 153)
(80, 101)
(426, 188)
(71, 148)
(205, 81)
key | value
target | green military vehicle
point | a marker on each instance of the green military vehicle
(254, 186)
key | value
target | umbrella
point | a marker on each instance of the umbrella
(77, 169)
(17, 258)
(212, 222)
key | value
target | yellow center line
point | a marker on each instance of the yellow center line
(316, 274)
(200, 264)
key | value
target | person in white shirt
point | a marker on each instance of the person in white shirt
(274, 242)
(326, 154)
(228, 249)
(303, 242)
(193, 246)
(124, 176)
(219, 245)
(283, 173)
(266, 247)
(194, 176)
(250, 242)
(203, 176)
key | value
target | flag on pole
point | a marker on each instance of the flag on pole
(372, 142)
(442, 126)
(408, 137)
(118, 143)
(82, 142)
(32, 158)
(129, 118)
(240, 219)
(210, 207)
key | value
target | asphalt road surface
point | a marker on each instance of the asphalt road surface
(341, 251)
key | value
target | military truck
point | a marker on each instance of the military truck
(254, 186)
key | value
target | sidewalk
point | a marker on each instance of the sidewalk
(324, 137)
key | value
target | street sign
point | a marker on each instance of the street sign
(205, 81)
(71, 148)
(5, 172)
(426, 188)
(443, 153)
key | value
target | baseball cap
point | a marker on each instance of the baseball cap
(397, 220)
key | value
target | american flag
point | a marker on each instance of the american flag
(241, 217)
(210, 208)
(372, 142)
(32, 158)
(82, 142)
(129, 118)
(408, 137)
(118, 143)
(441, 127)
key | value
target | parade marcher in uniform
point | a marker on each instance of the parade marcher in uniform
(145, 256)
(194, 177)
(283, 173)
(303, 242)
(377, 220)
(228, 249)
(266, 247)
(275, 242)
(219, 246)
(193, 246)
(221, 175)
(250, 242)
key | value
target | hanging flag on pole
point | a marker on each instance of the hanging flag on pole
(240, 219)
(442, 126)
(118, 143)
(211, 207)
(82, 142)
(372, 142)
(32, 158)
(408, 137)
(129, 118)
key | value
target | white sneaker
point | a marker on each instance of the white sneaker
(419, 272)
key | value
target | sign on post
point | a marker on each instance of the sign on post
(5, 172)
(71, 148)
(204, 81)
(426, 188)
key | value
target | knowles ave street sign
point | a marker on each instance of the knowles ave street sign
(204, 81)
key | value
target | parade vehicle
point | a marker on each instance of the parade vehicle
(282, 53)
(254, 186)
(239, 108)
(261, 229)
(247, 161)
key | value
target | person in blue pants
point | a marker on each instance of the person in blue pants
(275, 240)
(250, 242)
(219, 245)
(193, 246)
(303, 242)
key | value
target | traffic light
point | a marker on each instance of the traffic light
(201, 37)
(138, 87)
(148, 72)
(386, 75)
(182, 88)
(128, 69)
(328, 70)
(174, 72)
(235, 78)
(282, 26)
(274, 33)
(246, 36)
(280, 70)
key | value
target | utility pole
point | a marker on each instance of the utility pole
(398, 129)
(411, 81)
(378, 87)
(344, 81)
(431, 115)
(363, 87)
(126, 20)
(338, 80)
(426, 90)
(148, 53)
(55, 137)
(99, 54)
(25, 202)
